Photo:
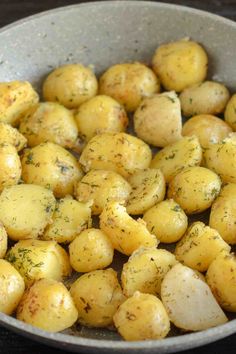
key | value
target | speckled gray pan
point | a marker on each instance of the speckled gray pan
(102, 34)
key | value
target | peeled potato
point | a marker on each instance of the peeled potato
(230, 112)
(12, 136)
(3, 241)
(10, 166)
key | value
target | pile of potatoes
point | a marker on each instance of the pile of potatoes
(69, 161)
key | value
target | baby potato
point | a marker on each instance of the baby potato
(128, 83)
(12, 287)
(101, 114)
(221, 277)
(173, 158)
(25, 210)
(125, 233)
(200, 246)
(101, 187)
(148, 188)
(97, 295)
(230, 112)
(209, 97)
(69, 219)
(47, 304)
(142, 317)
(145, 270)
(3, 241)
(16, 97)
(90, 250)
(180, 64)
(118, 152)
(10, 166)
(51, 166)
(36, 259)
(209, 129)
(157, 119)
(10, 135)
(194, 189)
(49, 121)
(70, 85)
(166, 220)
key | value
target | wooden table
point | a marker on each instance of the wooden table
(11, 10)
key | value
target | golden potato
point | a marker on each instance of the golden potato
(101, 187)
(70, 85)
(173, 158)
(3, 241)
(180, 64)
(209, 97)
(101, 114)
(209, 129)
(194, 189)
(200, 246)
(25, 210)
(10, 135)
(51, 166)
(47, 304)
(49, 121)
(230, 112)
(125, 233)
(91, 250)
(221, 277)
(142, 317)
(69, 219)
(10, 166)
(16, 97)
(97, 295)
(118, 152)
(167, 221)
(148, 188)
(12, 287)
(157, 119)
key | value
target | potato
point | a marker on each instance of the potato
(101, 187)
(118, 152)
(16, 97)
(97, 295)
(230, 112)
(200, 246)
(223, 213)
(51, 166)
(101, 114)
(70, 85)
(69, 219)
(145, 270)
(189, 301)
(142, 317)
(25, 210)
(180, 64)
(148, 188)
(167, 221)
(173, 158)
(91, 250)
(3, 241)
(209, 129)
(48, 306)
(157, 119)
(128, 83)
(35, 259)
(194, 189)
(221, 277)
(49, 121)
(125, 233)
(10, 166)
(209, 97)
(10, 135)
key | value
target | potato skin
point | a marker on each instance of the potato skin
(118, 152)
(10, 135)
(12, 287)
(230, 113)
(157, 119)
(70, 85)
(128, 83)
(47, 304)
(142, 317)
(3, 241)
(180, 64)
(10, 166)
(194, 189)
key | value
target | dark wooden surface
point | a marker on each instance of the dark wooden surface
(11, 10)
